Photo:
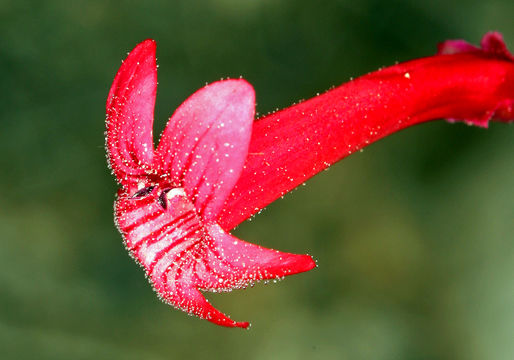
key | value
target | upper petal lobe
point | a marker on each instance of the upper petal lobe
(130, 112)
(205, 143)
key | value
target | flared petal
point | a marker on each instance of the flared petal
(130, 111)
(205, 143)
(182, 255)
(234, 263)
(169, 242)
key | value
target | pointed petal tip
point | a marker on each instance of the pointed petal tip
(297, 264)
(223, 320)
(310, 263)
(286, 264)
(242, 325)
(148, 42)
(143, 52)
(144, 47)
(301, 263)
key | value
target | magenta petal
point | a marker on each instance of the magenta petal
(130, 107)
(492, 43)
(449, 47)
(205, 143)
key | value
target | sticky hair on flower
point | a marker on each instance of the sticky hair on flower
(214, 166)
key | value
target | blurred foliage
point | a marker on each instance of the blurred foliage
(413, 237)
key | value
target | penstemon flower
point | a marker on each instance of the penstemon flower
(214, 166)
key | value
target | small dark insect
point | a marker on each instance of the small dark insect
(144, 191)
(162, 198)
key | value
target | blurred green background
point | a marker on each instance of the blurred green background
(413, 237)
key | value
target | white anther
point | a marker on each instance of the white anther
(175, 192)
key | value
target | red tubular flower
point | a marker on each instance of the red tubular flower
(290, 146)
(211, 170)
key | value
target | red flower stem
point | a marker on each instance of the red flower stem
(290, 146)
